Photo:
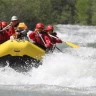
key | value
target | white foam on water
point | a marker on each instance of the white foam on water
(74, 68)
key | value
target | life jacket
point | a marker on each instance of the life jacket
(38, 41)
(3, 37)
(11, 30)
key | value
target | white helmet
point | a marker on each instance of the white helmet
(14, 18)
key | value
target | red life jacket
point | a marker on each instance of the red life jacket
(3, 37)
(11, 30)
(35, 37)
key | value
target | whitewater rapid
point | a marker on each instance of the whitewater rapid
(72, 68)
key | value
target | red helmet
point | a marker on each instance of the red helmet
(4, 24)
(40, 25)
(49, 27)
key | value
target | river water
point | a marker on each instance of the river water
(71, 72)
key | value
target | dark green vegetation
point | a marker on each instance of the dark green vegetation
(50, 11)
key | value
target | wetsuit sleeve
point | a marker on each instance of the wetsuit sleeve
(58, 40)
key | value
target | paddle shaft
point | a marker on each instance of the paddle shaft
(41, 38)
(59, 50)
(51, 43)
(5, 28)
(68, 43)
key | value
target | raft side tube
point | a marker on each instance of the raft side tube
(21, 48)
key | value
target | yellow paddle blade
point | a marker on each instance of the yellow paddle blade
(72, 45)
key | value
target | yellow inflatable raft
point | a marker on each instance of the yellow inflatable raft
(20, 54)
(21, 48)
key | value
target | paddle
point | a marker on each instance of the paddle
(68, 43)
(41, 39)
(72, 45)
(59, 49)
(5, 28)
(51, 43)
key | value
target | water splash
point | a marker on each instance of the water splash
(73, 68)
